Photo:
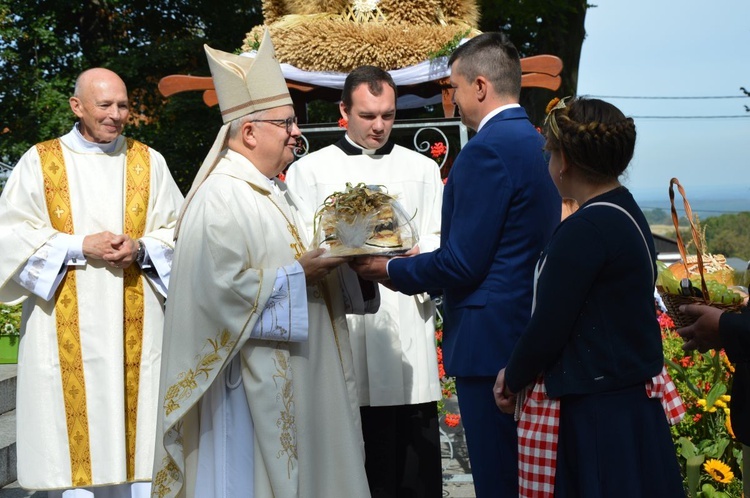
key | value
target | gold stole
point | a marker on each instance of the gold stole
(57, 194)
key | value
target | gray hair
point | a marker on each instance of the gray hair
(236, 124)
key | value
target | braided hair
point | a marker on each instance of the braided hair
(594, 136)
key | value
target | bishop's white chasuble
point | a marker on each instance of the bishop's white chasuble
(300, 396)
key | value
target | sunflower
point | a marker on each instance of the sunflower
(719, 471)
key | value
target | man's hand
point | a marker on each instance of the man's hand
(504, 399)
(317, 267)
(117, 250)
(371, 267)
(413, 251)
(704, 333)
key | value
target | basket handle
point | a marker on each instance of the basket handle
(694, 231)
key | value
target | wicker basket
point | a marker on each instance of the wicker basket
(674, 301)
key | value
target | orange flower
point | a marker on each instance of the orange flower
(438, 149)
(452, 419)
(687, 361)
(343, 123)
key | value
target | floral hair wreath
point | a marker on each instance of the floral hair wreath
(554, 105)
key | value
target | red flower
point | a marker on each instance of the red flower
(343, 123)
(665, 322)
(452, 419)
(439, 335)
(437, 150)
(697, 417)
(281, 176)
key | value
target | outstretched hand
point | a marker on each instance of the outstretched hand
(316, 266)
(371, 267)
(704, 333)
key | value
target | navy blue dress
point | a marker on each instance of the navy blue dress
(594, 336)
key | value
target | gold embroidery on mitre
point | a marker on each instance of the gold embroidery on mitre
(57, 196)
(137, 191)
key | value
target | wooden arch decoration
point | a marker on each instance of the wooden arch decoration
(538, 71)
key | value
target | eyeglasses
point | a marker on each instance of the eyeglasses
(288, 123)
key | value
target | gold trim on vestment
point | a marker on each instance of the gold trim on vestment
(57, 196)
(170, 472)
(137, 191)
(287, 422)
(299, 248)
(183, 388)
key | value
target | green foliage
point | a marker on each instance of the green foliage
(704, 381)
(10, 321)
(541, 27)
(657, 216)
(729, 234)
(45, 44)
(450, 46)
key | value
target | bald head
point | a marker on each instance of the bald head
(100, 101)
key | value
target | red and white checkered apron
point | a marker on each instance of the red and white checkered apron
(538, 423)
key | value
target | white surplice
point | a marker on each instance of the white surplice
(97, 185)
(394, 350)
(287, 425)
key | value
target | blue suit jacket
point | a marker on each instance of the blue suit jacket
(499, 210)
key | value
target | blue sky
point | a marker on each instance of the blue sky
(675, 48)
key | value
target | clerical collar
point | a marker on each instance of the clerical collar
(351, 149)
(76, 142)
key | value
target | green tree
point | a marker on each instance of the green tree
(657, 216)
(45, 44)
(553, 27)
(729, 234)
